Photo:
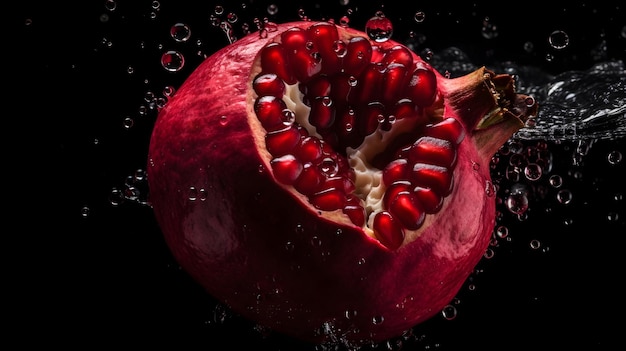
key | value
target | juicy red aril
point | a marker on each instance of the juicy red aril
(324, 36)
(282, 142)
(394, 189)
(286, 168)
(269, 110)
(388, 230)
(269, 84)
(354, 210)
(430, 201)
(435, 177)
(358, 56)
(394, 80)
(274, 59)
(370, 118)
(329, 199)
(407, 210)
(309, 180)
(396, 170)
(422, 88)
(398, 54)
(433, 151)
(368, 87)
(449, 129)
(322, 113)
(310, 149)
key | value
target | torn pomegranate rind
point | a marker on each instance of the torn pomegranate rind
(360, 129)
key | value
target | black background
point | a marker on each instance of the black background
(105, 276)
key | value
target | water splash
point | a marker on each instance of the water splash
(573, 105)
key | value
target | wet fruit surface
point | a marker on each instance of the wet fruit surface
(100, 221)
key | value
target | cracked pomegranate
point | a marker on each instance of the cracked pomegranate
(346, 182)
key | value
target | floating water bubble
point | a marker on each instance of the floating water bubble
(172, 61)
(614, 157)
(180, 32)
(558, 39)
(449, 312)
(379, 28)
(419, 16)
(564, 196)
(84, 211)
(272, 9)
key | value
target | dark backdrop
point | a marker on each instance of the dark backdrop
(85, 261)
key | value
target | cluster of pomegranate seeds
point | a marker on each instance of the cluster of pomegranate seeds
(350, 90)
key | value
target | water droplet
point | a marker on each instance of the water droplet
(172, 61)
(128, 123)
(558, 39)
(379, 28)
(556, 181)
(223, 120)
(349, 314)
(110, 5)
(419, 16)
(449, 312)
(533, 172)
(329, 167)
(517, 202)
(535, 244)
(489, 29)
(218, 10)
(180, 32)
(192, 193)
(502, 232)
(564, 196)
(378, 320)
(614, 157)
(272, 9)
(490, 188)
(84, 211)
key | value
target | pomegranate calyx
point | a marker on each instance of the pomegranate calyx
(491, 107)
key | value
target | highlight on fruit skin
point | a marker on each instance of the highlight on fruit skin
(348, 194)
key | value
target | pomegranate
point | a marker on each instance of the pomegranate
(329, 186)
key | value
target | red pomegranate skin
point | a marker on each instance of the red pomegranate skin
(265, 252)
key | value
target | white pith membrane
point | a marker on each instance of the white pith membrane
(368, 181)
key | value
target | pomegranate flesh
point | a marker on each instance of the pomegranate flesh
(328, 186)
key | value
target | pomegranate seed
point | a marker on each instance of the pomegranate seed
(358, 56)
(393, 82)
(398, 54)
(269, 111)
(431, 202)
(309, 180)
(356, 214)
(269, 84)
(430, 176)
(369, 118)
(286, 169)
(434, 151)
(393, 190)
(422, 87)
(378, 54)
(342, 85)
(318, 86)
(282, 142)
(329, 199)
(449, 129)
(404, 108)
(322, 114)
(395, 170)
(407, 210)
(294, 39)
(274, 59)
(304, 64)
(369, 85)
(388, 230)
(324, 35)
(310, 149)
